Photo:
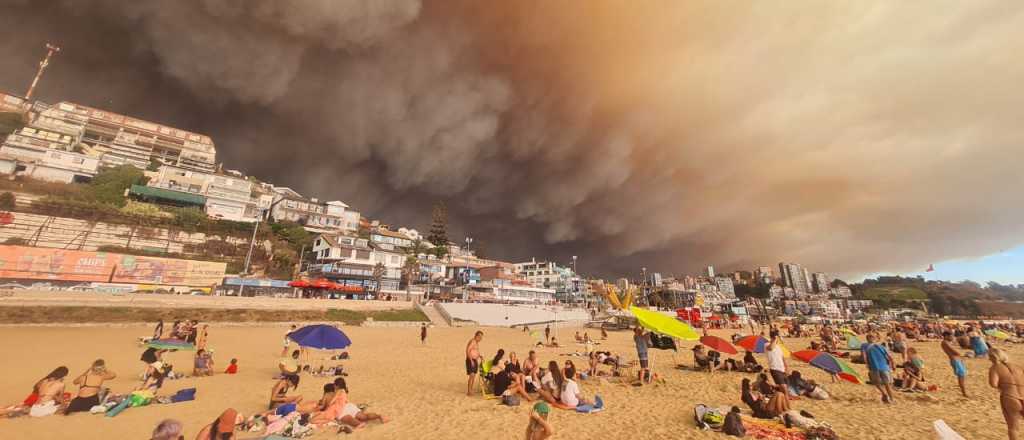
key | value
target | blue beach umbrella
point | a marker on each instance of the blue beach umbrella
(320, 336)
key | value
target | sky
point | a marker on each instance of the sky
(851, 137)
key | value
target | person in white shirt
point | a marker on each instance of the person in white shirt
(571, 395)
(776, 359)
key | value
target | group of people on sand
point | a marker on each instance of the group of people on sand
(48, 394)
(183, 330)
(528, 379)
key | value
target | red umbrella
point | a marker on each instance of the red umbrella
(715, 318)
(718, 344)
(753, 343)
(299, 283)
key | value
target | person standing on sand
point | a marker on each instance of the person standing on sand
(473, 360)
(955, 361)
(879, 367)
(641, 340)
(1009, 379)
(423, 334)
(159, 330)
(776, 359)
(287, 342)
(547, 334)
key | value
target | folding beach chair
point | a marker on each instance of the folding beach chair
(485, 383)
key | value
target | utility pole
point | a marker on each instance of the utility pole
(50, 50)
(248, 257)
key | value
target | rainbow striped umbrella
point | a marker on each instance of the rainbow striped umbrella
(830, 364)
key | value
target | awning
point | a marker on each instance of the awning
(166, 195)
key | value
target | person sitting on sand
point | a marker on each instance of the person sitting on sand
(89, 386)
(351, 415)
(531, 372)
(750, 364)
(799, 386)
(604, 334)
(554, 343)
(50, 392)
(168, 429)
(762, 406)
(913, 372)
(232, 367)
(278, 394)
(330, 405)
(701, 359)
(539, 428)
(203, 364)
(223, 428)
(1009, 380)
(155, 381)
(504, 381)
(571, 395)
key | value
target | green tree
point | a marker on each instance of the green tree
(378, 276)
(110, 184)
(439, 225)
(293, 233)
(7, 201)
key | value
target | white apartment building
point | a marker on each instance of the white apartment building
(725, 286)
(47, 155)
(315, 215)
(227, 197)
(822, 282)
(794, 276)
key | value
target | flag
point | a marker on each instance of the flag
(931, 268)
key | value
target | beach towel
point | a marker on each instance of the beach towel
(944, 432)
(588, 409)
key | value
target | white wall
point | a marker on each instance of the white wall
(496, 314)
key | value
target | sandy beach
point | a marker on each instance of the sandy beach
(422, 388)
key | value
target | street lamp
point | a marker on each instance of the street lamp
(644, 281)
(469, 241)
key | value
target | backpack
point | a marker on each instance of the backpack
(708, 418)
(734, 424)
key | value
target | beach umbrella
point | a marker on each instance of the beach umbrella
(718, 344)
(298, 283)
(170, 344)
(830, 364)
(322, 283)
(853, 343)
(753, 343)
(998, 334)
(664, 324)
(324, 337)
(847, 331)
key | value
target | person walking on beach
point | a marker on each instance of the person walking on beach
(547, 334)
(159, 330)
(641, 340)
(473, 360)
(423, 334)
(879, 367)
(1009, 379)
(955, 361)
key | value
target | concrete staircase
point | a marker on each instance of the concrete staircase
(433, 314)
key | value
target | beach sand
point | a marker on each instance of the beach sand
(422, 388)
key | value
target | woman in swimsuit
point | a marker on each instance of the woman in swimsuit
(50, 391)
(1009, 379)
(89, 385)
(278, 393)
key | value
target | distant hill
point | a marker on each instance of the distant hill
(901, 293)
(964, 298)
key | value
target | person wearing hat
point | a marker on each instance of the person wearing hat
(223, 428)
(539, 428)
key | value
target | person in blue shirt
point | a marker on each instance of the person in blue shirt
(879, 367)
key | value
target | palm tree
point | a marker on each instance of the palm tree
(378, 275)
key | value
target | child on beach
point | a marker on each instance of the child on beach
(232, 367)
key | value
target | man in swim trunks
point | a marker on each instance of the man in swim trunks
(473, 360)
(955, 361)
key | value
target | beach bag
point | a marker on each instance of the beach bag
(510, 400)
(708, 418)
(184, 395)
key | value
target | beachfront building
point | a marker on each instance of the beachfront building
(46, 155)
(352, 261)
(725, 286)
(710, 273)
(547, 274)
(119, 140)
(822, 282)
(384, 238)
(224, 196)
(842, 292)
(315, 215)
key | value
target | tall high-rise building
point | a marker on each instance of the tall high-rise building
(822, 282)
(793, 276)
(711, 272)
(807, 280)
